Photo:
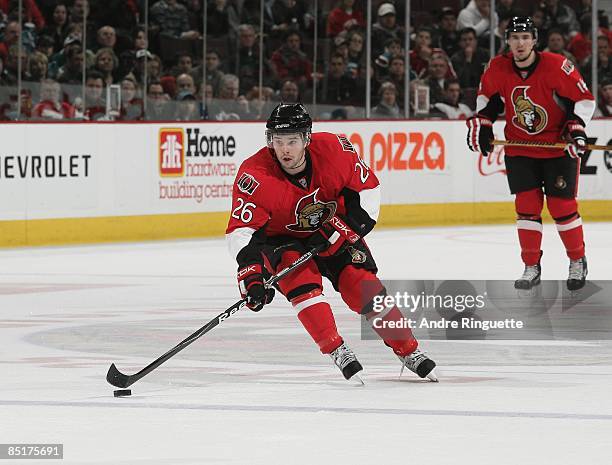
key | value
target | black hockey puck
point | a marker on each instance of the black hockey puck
(122, 392)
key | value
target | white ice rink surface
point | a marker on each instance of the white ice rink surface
(256, 390)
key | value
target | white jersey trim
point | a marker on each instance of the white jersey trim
(369, 200)
(481, 103)
(584, 109)
(238, 239)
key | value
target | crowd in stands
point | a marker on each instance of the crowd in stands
(163, 71)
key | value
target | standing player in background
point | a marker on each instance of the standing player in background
(545, 100)
(306, 191)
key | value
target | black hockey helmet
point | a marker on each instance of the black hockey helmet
(521, 24)
(289, 118)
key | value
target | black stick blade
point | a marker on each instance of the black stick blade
(116, 378)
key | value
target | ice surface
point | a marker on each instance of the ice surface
(256, 390)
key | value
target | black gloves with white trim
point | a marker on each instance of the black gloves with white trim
(251, 285)
(480, 134)
(573, 132)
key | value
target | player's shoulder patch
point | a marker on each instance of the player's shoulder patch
(345, 143)
(247, 184)
(567, 66)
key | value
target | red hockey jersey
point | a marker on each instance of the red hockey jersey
(336, 182)
(537, 102)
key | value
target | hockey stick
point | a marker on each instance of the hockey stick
(120, 380)
(547, 145)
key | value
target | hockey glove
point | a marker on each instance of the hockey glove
(332, 237)
(251, 285)
(480, 134)
(573, 132)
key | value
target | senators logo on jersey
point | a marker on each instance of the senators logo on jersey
(310, 213)
(529, 116)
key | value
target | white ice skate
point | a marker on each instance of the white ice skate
(577, 274)
(420, 364)
(345, 359)
(530, 278)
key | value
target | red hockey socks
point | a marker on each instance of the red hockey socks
(569, 225)
(317, 317)
(362, 291)
(528, 205)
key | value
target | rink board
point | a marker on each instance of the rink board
(74, 183)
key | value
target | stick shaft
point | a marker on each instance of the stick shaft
(546, 145)
(118, 379)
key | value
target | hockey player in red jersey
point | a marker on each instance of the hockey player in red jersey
(545, 100)
(304, 191)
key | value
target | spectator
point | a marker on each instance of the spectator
(187, 108)
(289, 15)
(500, 46)
(290, 61)
(12, 65)
(604, 63)
(437, 73)
(448, 37)
(38, 66)
(420, 55)
(355, 53)
(289, 92)
(604, 107)
(141, 42)
(580, 44)
(539, 20)
(185, 83)
(338, 87)
(244, 63)
(560, 16)
(230, 105)
(79, 11)
(213, 70)
(451, 108)
(122, 14)
(131, 105)
(45, 44)
(505, 8)
(470, 61)
(154, 66)
(385, 28)
(387, 107)
(127, 65)
(260, 102)
(106, 62)
(344, 17)
(222, 19)
(157, 102)
(106, 37)
(12, 32)
(556, 44)
(95, 105)
(170, 18)
(397, 76)
(476, 15)
(58, 29)
(184, 64)
(31, 12)
(72, 71)
(50, 107)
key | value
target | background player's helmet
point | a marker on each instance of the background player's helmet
(521, 24)
(289, 118)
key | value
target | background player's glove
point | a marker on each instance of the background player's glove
(251, 285)
(480, 134)
(332, 237)
(574, 133)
